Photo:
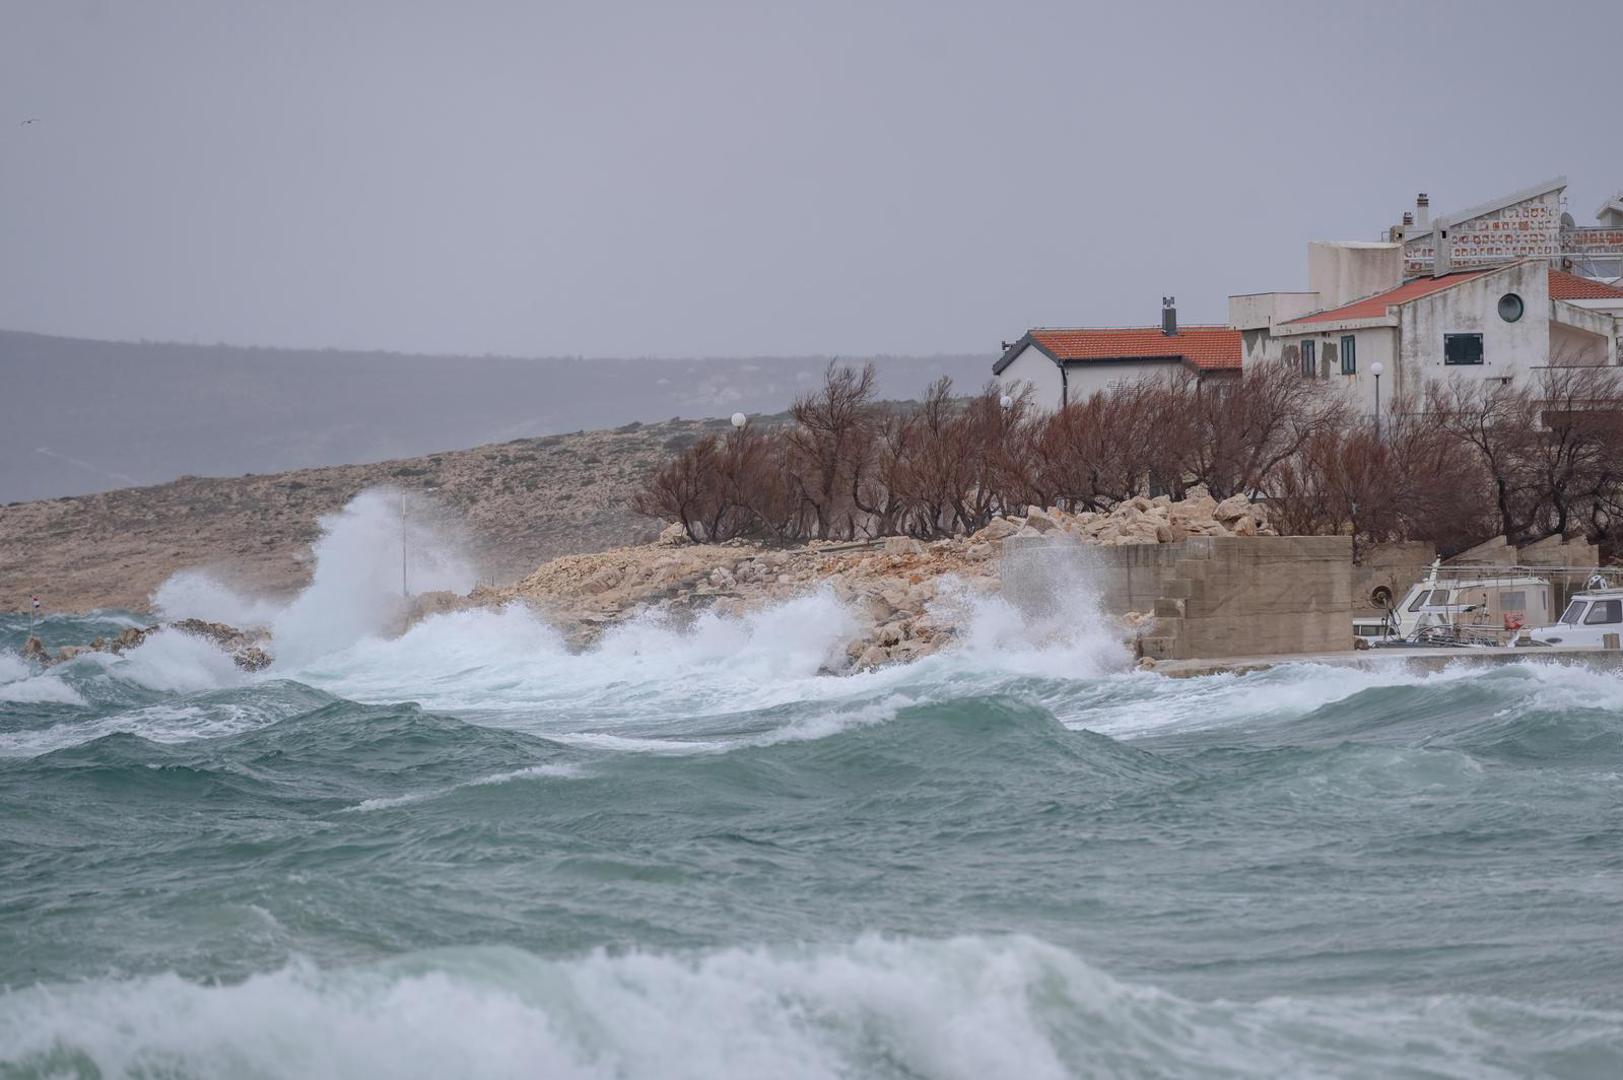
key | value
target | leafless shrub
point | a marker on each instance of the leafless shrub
(1454, 464)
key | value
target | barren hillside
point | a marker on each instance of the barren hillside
(523, 502)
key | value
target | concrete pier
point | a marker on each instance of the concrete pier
(1419, 659)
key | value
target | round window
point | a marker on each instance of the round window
(1510, 307)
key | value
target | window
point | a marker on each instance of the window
(1439, 598)
(1419, 600)
(1462, 348)
(1349, 355)
(1604, 611)
(1513, 601)
(1310, 359)
(1573, 613)
(1511, 307)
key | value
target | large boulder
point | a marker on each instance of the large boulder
(1040, 520)
(1232, 509)
(999, 528)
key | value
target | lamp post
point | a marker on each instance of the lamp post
(739, 419)
(1375, 369)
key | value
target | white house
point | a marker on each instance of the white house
(1501, 322)
(1066, 365)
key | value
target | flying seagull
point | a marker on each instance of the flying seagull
(32, 120)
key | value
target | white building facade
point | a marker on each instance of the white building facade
(1503, 323)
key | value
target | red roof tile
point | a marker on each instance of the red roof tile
(1565, 286)
(1373, 307)
(1209, 348)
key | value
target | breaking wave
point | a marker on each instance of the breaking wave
(969, 1007)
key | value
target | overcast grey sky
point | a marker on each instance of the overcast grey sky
(746, 178)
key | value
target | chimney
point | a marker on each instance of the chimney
(1422, 211)
(1169, 316)
(1441, 263)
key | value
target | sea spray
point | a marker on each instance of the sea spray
(1046, 617)
(383, 545)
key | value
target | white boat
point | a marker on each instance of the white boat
(1463, 605)
(1591, 616)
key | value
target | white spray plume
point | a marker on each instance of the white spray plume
(383, 544)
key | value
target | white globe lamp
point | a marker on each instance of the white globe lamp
(739, 419)
(1375, 369)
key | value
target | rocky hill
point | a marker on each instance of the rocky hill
(80, 416)
(522, 502)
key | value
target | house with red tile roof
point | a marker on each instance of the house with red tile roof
(1063, 365)
(1500, 290)
(1497, 322)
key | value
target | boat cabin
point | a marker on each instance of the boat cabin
(1467, 607)
(1591, 617)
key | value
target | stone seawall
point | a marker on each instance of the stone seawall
(1217, 596)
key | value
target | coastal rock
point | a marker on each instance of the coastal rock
(1039, 520)
(252, 658)
(673, 535)
(1232, 509)
(873, 656)
(998, 529)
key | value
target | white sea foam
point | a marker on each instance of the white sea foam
(172, 662)
(198, 594)
(562, 771)
(13, 668)
(31, 689)
(357, 589)
(963, 1008)
(654, 683)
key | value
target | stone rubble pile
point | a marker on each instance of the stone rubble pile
(903, 591)
(1145, 521)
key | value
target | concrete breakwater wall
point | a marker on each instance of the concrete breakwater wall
(1213, 596)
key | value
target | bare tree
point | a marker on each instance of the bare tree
(831, 444)
(1497, 421)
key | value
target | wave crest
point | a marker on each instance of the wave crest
(969, 1007)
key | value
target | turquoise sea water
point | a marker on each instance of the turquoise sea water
(685, 853)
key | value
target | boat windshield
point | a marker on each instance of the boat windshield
(1574, 612)
(1434, 598)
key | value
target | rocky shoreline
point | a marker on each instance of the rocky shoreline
(904, 595)
(247, 648)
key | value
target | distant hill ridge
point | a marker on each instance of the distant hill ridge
(80, 416)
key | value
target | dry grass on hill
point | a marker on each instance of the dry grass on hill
(523, 502)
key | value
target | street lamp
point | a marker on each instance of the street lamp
(739, 419)
(1006, 401)
(1375, 369)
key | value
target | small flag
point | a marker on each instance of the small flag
(36, 602)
